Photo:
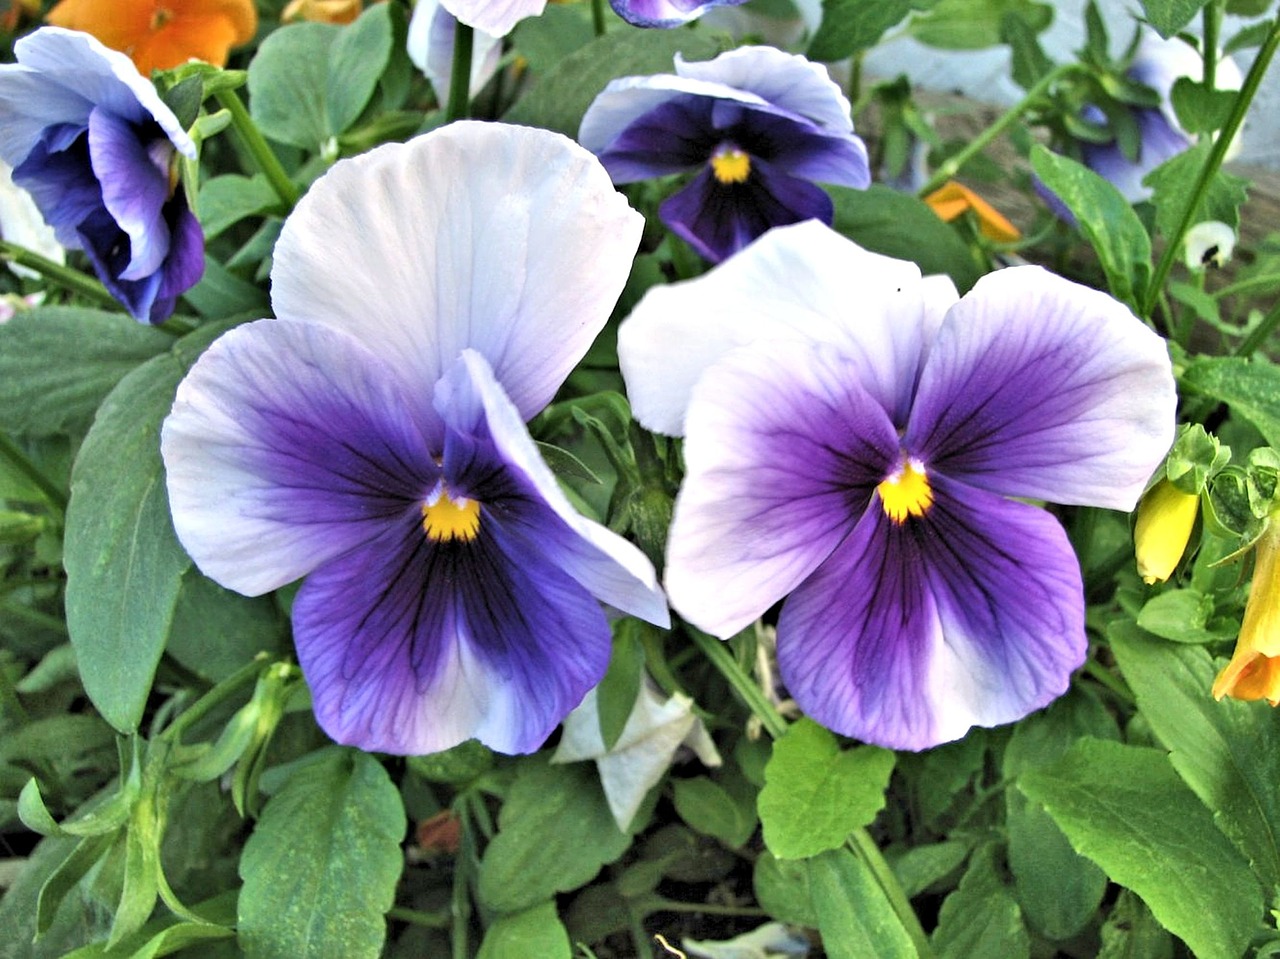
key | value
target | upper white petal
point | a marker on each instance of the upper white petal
(494, 17)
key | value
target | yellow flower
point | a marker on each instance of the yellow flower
(952, 200)
(1165, 518)
(1254, 670)
(160, 34)
(322, 11)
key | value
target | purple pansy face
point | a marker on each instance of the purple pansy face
(431, 298)
(859, 454)
(89, 138)
(665, 13)
(760, 127)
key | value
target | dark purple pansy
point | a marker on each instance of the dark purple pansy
(860, 442)
(431, 297)
(760, 127)
(89, 138)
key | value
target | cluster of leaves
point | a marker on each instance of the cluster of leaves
(165, 785)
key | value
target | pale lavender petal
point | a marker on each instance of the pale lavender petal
(471, 402)
(30, 104)
(664, 13)
(288, 445)
(783, 451)
(911, 634)
(802, 282)
(430, 46)
(783, 79)
(507, 240)
(1039, 387)
(719, 219)
(494, 17)
(134, 190)
(411, 647)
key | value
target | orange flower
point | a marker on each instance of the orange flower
(952, 200)
(322, 11)
(1254, 670)
(159, 34)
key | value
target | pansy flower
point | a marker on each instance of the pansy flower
(431, 297)
(665, 13)
(90, 139)
(758, 125)
(162, 34)
(1254, 670)
(855, 438)
(497, 18)
(430, 45)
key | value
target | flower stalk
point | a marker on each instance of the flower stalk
(64, 276)
(259, 149)
(459, 104)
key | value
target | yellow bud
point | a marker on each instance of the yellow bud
(1254, 670)
(1166, 516)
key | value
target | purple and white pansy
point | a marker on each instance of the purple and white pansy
(665, 13)
(431, 297)
(761, 127)
(854, 438)
(92, 142)
(430, 40)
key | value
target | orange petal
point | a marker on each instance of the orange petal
(953, 199)
(1254, 670)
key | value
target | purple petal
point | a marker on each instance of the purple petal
(411, 646)
(60, 179)
(1158, 141)
(107, 247)
(672, 137)
(719, 219)
(1039, 387)
(664, 13)
(782, 453)
(288, 445)
(134, 190)
(911, 634)
(185, 264)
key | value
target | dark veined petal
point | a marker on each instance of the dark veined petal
(1039, 387)
(782, 453)
(719, 219)
(288, 445)
(412, 646)
(674, 136)
(910, 634)
(184, 266)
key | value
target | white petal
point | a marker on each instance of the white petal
(494, 17)
(507, 240)
(21, 223)
(430, 46)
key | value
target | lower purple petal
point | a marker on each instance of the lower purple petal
(911, 634)
(718, 219)
(60, 179)
(411, 647)
(675, 136)
(1158, 141)
(664, 13)
(134, 189)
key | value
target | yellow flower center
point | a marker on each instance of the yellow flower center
(906, 492)
(730, 165)
(445, 518)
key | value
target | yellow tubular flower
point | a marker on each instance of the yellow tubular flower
(1165, 518)
(161, 34)
(1254, 670)
(952, 200)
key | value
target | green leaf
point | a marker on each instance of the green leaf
(617, 692)
(975, 24)
(782, 888)
(1251, 36)
(70, 358)
(854, 917)
(216, 631)
(815, 795)
(1181, 616)
(221, 294)
(357, 59)
(1170, 16)
(1105, 218)
(1172, 184)
(563, 95)
(1228, 752)
(62, 880)
(226, 200)
(1131, 932)
(554, 833)
(124, 564)
(560, 30)
(920, 867)
(710, 809)
(1126, 809)
(898, 224)
(288, 78)
(1251, 387)
(981, 919)
(851, 26)
(1200, 110)
(74, 924)
(457, 766)
(534, 932)
(321, 867)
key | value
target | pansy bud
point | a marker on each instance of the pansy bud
(1166, 516)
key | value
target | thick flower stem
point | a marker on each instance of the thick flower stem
(9, 450)
(460, 77)
(1210, 169)
(244, 676)
(258, 147)
(954, 163)
(63, 276)
(1261, 333)
(860, 842)
(597, 16)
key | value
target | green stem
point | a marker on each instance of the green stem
(1266, 282)
(63, 276)
(35, 616)
(220, 693)
(1266, 326)
(660, 904)
(1210, 169)
(743, 684)
(865, 849)
(10, 451)
(460, 77)
(597, 16)
(954, 163)
(259, 149)
(430, 920)
(1109, 679)
(1211, 17)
